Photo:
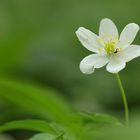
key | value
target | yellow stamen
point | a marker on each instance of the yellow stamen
(110, 48)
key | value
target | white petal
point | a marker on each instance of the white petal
(108, 30)
(115, 65)
(88, 39)
(128, 34)
(129, 53)
(89, 63)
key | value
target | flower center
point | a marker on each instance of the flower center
(110, 48)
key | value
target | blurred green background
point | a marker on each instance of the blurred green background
(38, 44)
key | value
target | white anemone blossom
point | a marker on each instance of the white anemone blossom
(108, 48)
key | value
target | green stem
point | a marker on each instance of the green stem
(124, 99)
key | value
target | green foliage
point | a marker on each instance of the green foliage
(36, 99)
(43, 137)
(35, 125)
(48, 105)
(63, 123)
(120, 133)
(100, 118)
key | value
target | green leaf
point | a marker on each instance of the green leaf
(44, 102)
(43, 136)
(46, 136)
(35, 125)
(96, 123)
(100, 118)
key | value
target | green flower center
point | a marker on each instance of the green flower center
(110, 48)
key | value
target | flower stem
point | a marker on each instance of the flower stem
(124, 99)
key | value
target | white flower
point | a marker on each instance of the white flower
(108, 47)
